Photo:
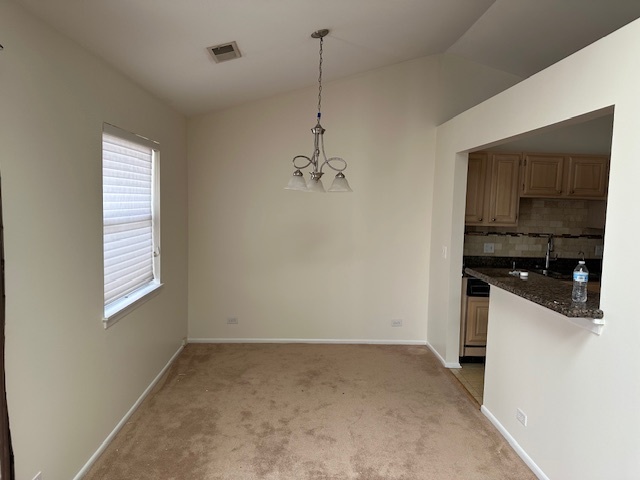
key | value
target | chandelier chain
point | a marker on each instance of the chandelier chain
(320, 79)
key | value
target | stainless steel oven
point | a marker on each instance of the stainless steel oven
(477, 288)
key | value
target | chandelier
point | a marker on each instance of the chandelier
(300, 162)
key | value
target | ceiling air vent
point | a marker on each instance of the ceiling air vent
(224, 52)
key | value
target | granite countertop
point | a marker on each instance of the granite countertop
(549, 292)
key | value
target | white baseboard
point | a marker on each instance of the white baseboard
(124, 420)
(441, 358)
(306, 340)
(516, 446)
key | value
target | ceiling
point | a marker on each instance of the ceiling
(162, 44)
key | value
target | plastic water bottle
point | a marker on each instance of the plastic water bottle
(580, 279)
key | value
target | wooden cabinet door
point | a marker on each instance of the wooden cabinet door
(477, 321)
(542, 175)
(463, 314)
(588, 177)
(504, 202)
(476, 188)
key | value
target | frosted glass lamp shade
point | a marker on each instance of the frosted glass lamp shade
(340, 184)
(296, 182)
(315, 185)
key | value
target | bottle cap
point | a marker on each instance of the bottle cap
(581, 262)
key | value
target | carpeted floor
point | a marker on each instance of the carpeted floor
(300, 411)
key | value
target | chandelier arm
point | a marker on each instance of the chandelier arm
(321, 142)
(336, 160)
(299, 167)
(332, 159)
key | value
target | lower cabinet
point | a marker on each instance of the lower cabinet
(477, 321)
(474, 319)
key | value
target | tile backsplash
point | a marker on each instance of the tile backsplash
(567, 220)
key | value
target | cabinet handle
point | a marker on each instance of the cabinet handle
(493, 219)
(480, 219)
(571, 192)
(559, 190)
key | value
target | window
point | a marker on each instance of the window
(131, 221)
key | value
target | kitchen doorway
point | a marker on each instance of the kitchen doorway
(533, 229)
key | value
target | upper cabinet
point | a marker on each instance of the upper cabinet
(476, 186)
(505, 174)
(575, 176)
(542, 175)
(492, 189)
(588, 177)
(497, 181)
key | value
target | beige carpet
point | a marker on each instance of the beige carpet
(292, 411)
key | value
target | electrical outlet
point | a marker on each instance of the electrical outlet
(232, 321)
(489, 248)
(396, 322)
(38, 476)
(521, 417)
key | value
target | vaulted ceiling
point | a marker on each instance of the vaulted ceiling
(162, 44)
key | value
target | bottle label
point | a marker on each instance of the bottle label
(580, 277)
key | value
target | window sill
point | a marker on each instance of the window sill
(123, 307)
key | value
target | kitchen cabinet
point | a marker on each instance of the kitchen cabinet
(477, 321)
(542, 175)
(565, 176)
(588, 177)
(474, 318)
(476, 183)
(492, 189)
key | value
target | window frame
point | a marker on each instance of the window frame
(121, 307)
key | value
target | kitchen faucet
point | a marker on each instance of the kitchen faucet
(547, 257)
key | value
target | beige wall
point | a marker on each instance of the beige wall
(335, 266)
(69, 381)
(579, 389)
(315, 266)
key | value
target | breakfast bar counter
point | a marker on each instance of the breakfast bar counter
(548, 292)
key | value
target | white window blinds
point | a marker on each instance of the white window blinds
(127, 195)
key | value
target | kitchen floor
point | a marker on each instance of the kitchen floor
(471, 375)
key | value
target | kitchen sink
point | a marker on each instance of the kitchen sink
(552, 274)
(563, 276)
